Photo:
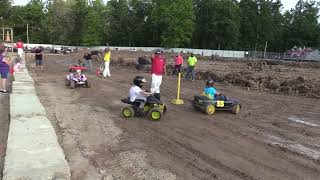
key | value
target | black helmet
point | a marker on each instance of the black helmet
(139, 80)
(158, 51)
(209, 83)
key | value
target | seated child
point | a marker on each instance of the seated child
(80, 76)
(209, 90)
(136, 93)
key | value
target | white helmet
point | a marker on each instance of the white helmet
(78, 71)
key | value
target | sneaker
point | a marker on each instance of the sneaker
(4, 91)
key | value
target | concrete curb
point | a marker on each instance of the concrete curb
(33, 151)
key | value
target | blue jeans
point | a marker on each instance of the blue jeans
(190, 70)
(88, 64)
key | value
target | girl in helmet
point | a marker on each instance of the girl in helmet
(80, 76)
(136, 93)
(209, 90)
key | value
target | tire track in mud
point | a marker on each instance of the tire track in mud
(188, 160)
(211, 161)
(239, 130)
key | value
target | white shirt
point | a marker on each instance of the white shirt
(133, 92)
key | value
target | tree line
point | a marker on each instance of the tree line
(210, 24)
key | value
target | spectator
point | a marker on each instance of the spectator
(107, 58)
(158, 68)
(15, 66)
(38, 58)
(192, 61)
(19, 45)
(87, 60)
(4, 69)
(178, 63)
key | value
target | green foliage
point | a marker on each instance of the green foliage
(302, 24)
(94, 24)
(214, 24)
(174, 21)
(218, 24)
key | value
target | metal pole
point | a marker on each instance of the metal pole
(12, 41)
(28, 34)
(265, 49)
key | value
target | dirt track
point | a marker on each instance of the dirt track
(273, 137)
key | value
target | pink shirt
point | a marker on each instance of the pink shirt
(16, 67)
(179, 60)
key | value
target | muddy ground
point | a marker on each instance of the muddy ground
(275, 136)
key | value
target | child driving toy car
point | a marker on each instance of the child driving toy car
(209, 91)
(136, 93)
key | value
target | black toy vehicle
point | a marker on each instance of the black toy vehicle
(219, 103)
(153, 108)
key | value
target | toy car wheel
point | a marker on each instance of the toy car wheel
(127, 112)
(72, 85)
(67, 82)
(210, 109)
(235, 109)
(155, 114)
(87, 84)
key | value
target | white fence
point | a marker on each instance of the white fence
(203, 52)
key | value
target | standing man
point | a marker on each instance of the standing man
(178, 63)
(19, 45)
(87, 60)
(192, 61)
(4, 69)
(38, 58)
(158, 68)
(107, 57)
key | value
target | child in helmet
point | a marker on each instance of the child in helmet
(136, 93)
(209, 90)
(80, 76)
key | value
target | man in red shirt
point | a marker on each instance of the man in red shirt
(158, 68)
(178, 63)
(19, 45)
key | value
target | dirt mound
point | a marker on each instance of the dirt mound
(254, 76)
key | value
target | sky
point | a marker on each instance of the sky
(287, 4)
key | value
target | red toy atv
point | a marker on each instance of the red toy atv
(74, 68)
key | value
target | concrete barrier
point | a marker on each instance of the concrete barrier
(33, 151)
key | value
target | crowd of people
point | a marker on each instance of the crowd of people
(298, 52)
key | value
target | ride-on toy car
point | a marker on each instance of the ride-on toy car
(219, 103)
(75, 80)
(153, 109)
(74, 68)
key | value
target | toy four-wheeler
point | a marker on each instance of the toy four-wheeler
(153, 109)
(74, 80)
(74, 68)
(220, 102)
